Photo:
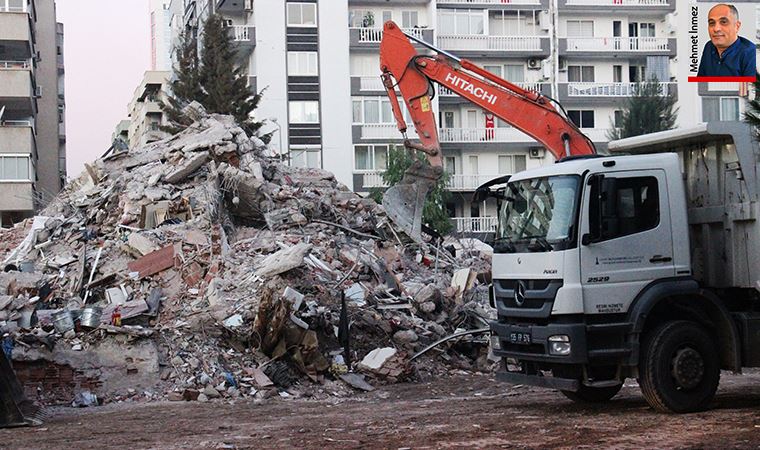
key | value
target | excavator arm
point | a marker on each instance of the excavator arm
(413, 74)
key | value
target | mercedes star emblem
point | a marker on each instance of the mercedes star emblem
(520, 293)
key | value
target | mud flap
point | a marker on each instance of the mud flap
(405, 202)
(15, 409)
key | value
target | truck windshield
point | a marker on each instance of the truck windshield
(538, 214)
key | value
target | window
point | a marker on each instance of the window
(513, 23)
(304, 112)
(617, 74)
(618, 118)
(580, 74)
(514, 73)
(461, 22)
(509, 164)
(409, 19)
(450, 164)
(582, 118)
(720, 109)
(646, 29)
(302, 64)
(305, 158)
(474, 169)
(302, 14)
(370, 110)
(630, 205)
(496, 70)
(370, 157)
(360, 18)
(15, 168)
(580, 28)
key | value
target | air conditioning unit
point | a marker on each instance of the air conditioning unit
(249, 5)
(537, 152)
(38, 92)
(534, 64)
(229, 22)
(545, 20)
(562, 65)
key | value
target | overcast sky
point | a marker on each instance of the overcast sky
(106, 50)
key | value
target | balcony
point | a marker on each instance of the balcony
(234, 7)
(17, 136)
(610, 89)
(384, 131)
(457, 183)
(244, 37)
(475, 224)
(369, 38)
(17, 87)
(530, 45)
(489, 2)
(15, 25)
(616, 45)
(638, 6)
(482, 135)
(539, 88)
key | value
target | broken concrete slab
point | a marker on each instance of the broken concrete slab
(357, 381)
(376, 358)
(186, 168)
(283, 260)
(141, 244)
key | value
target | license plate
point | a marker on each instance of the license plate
(519, 338)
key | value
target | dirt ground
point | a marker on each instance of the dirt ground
(466, 411)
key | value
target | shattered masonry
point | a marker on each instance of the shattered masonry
(227, 270)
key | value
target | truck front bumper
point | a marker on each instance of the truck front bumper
(538, 348)
(562, 384)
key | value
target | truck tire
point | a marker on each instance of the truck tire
(588, 394)
(679, 367)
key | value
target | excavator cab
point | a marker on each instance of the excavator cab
(15, 409)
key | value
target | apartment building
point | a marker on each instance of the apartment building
(318, 61)
(145, 114)
(32, 108)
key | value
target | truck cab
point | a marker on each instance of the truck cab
(593, 282)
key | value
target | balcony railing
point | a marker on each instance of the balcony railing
(16, 123)
(384, 131)
(616, 44)
(6, 6)
(535, 87)
(483, 135)
(241, 33)
(375, 35)
(607, 89)
(371, 84)
(483, 42)
(374, 179)
(475, 224)
(619, 2)
(489, 2)
(6, 65)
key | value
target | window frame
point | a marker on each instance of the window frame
(291, 109)
(301, 5)
(15, 156)
(595, 214)
(372, 153)
(297, 54)
(306, 150)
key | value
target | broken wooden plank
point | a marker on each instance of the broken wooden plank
(153, 262)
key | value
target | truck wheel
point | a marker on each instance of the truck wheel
(588, 394)
(679, 368)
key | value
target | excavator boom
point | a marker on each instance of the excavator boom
(414, 74)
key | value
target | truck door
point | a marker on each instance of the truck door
(634, 245)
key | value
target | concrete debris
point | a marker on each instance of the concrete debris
(220, 275)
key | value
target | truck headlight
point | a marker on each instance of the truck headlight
(559, 345)
(495, 342)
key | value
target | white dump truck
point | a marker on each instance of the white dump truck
(644, 264)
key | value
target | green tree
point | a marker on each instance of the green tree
(434, 213)
(214, 79)
(224, 82)
(648, 110)
(186, 86)
(752, 115)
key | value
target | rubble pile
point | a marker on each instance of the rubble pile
(196, 268)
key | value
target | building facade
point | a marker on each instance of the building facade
(145, 114)
(32, 108)
(318, 62)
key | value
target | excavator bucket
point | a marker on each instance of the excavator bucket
(405, 201)
(15, 409)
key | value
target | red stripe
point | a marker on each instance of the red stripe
(721, 79)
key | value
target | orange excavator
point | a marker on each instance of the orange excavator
(413, 73)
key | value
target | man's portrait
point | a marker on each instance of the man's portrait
(726, 54)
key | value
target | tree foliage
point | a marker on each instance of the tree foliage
(434, 213)
(752, 114)
(214, 78)
(646, 111)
